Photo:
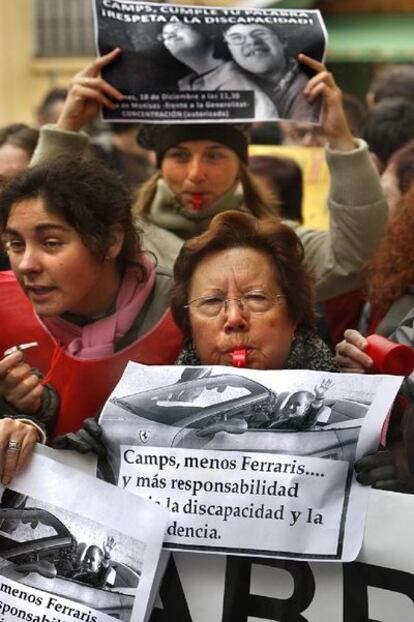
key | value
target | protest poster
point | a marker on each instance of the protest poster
(248, 462)
(75, 548)
(197, 63)
(377, 587)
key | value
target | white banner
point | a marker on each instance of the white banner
(378, 587)
(248, 462)
(75, 548)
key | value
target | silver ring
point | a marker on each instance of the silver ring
(14, 446)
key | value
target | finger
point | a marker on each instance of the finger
(396, 485)
(376, 459)
(103, 61)
(311, 62)
(355, 338)
(93, 444)
(93, 427)
(318, 90)
(29, 441)
(10, 460)
(60, 442)
(72, 441)
(349, 355)
(349, 365)
(99, 85)
(83, 94)
(10, 361)
(388, 472)
(15, 375)
(324, 77)
(27, 391)
(94, 68)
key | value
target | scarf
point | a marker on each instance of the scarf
(168, 214)
(307, 351)
(97, 339)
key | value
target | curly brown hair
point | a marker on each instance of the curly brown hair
(91, 198)
(391, 270)
(237, 229)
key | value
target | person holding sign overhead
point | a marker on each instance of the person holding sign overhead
(202, 171)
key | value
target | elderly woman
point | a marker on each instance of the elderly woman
(243, 285)
(242, 288)
(203, 172)
(81, 292)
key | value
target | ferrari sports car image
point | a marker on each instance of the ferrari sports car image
(230, 412)
(57, 564)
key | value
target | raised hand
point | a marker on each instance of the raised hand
(334, 121)
(87, 93)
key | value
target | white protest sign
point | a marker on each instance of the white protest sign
(75, 548)
(248, 462)
(378, 586)
(196, 64)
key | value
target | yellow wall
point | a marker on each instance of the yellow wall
(23, 79)
(316, 179)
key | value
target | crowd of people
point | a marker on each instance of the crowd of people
(209, 254)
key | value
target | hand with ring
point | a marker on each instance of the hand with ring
(17, 440)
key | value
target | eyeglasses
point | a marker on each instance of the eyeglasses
(211, 306)
(239, 38)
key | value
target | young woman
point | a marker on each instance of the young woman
(81, 291)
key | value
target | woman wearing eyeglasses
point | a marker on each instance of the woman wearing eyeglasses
(210, 70)
(243, 286)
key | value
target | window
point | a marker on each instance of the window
(63, 28)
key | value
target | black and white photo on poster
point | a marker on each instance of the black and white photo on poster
(195, 64)
(72, 556)
(248, 462)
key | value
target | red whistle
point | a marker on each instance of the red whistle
(239, 356)
(197, 201)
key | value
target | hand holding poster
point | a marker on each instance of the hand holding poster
(187, 63)
(248, 462)
(73, 548)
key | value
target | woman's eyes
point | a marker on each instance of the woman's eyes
(17, 246)
(209, 156)
(182, 156)
(13, 245)
(215, 155)
(212, 300)
(52, 244)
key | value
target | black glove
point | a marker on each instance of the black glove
(86, 440)
(380, 470)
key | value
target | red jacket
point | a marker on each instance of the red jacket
(83, 385)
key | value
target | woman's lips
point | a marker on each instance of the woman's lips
(39, 292)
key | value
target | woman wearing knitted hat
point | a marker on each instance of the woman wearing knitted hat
(203, 171)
